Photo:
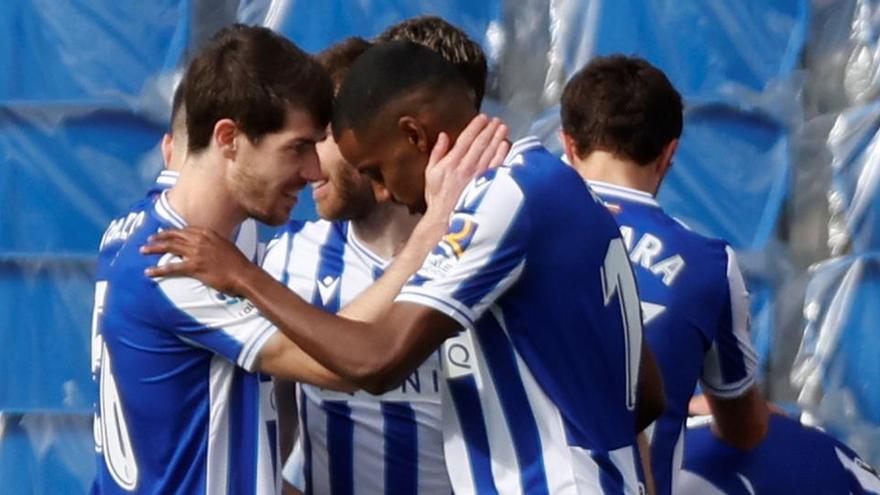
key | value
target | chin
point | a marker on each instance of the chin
(272, 219)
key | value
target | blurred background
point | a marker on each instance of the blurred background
(780, 156)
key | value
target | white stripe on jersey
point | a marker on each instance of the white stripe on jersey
(713, 377)
(221, 375)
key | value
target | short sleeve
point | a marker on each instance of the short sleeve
(481, 255)
(201, 316)
(730, 366)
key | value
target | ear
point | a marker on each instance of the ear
(380, 192)
(665, 161)
(167, 148)
(415, 133)
(569, 146)
(224, 136)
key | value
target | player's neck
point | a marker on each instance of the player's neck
(201, 198)
(605, 167)
(385, 229)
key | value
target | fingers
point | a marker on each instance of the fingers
(441, 147)
(167, 244)
(466, 138)
(470, 162)
(489, 155)
(169, 270)
(500, 154)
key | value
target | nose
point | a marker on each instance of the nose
(311, 170)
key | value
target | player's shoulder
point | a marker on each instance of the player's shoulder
(125, 225)
(697, 240)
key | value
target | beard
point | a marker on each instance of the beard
(354, 198)
(259, 199)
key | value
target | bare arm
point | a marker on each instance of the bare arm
(645, 457)
(375, 356)
(741, 421)
(377, 299)
(651, 397)
(281, 358)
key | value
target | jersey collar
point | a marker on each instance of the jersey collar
(521, 146)
(605, 189)
(166, 212)
(363, 250)
(166, 180)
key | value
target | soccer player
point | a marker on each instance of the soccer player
(621, 121)
(185, 400)
(391, 443)
(791, 458)
(539, 306)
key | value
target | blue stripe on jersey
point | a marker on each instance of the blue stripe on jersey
(235, 415)
(293, 228)
(271, 427)
(307, 442)
(401, 449)
(340, 444)
(250, 419)
(501, 361)
(466, 400)
(475, 288)
(331, 265)
(470, 204)
(609, 476)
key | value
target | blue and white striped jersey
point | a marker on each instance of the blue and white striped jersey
(541, 383)
(792, 458)
(696, 315)
(357, 443)
(179, 410)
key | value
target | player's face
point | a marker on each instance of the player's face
(266, 176)
(393, 163)
(342, 193)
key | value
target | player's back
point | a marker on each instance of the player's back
(694, 315)
(792, 458)
(540, 393)
(175, 413)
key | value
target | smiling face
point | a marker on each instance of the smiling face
(266, 176)
(342, 193)
(392, 159)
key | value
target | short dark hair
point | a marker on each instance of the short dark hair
(450, 42)
(386, 72)
(622, 105)
(338, 58)
(252, 75)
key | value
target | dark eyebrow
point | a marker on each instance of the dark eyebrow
(297, 141)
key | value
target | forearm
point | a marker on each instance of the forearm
(343, 346)
(366, 355)
(374, 302)
(741, 421)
